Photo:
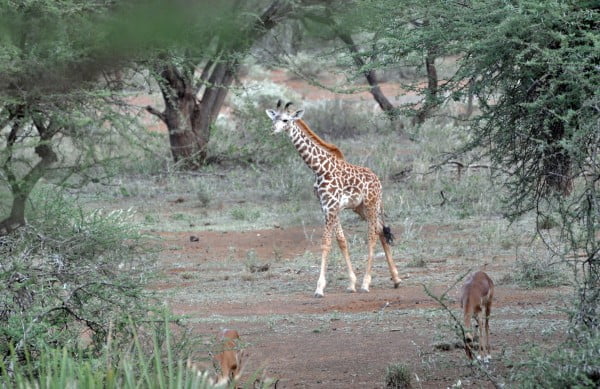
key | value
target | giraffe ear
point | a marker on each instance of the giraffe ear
(271, 114)
(298, 114)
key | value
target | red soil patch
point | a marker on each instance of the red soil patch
(345, 340)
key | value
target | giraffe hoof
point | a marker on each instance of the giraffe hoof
(364, 290)
(397, 284)
(350, 290)
(319, 295)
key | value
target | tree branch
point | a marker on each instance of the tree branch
(156, 113)
(370, 75)
(375, 90)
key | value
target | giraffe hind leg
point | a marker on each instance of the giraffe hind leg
(341, 239)
(371, 245)
(390, 261)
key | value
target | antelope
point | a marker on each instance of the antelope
(228, 361)
(477, 294)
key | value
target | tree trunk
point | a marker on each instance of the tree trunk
(370, 75)
(189, 118)
(556, 170)
(432, 88)
(469, 111)
(21, 188)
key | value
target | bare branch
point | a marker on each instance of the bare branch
(156, 113)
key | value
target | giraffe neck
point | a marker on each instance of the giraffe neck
(313, 155)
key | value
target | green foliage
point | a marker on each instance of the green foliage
(546, 80)
(70, 276)
(397, 376)
(537, 273)
(532, 67)
(50, 49)
(248, 136)
(574, 364)
(149, 366)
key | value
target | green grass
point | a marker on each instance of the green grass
(398, 376)
(60, 368)
(153, 365)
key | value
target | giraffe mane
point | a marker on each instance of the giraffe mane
(333, 149)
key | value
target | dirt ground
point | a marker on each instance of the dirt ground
(344, 340)
(261, 283)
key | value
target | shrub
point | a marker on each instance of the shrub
(246, 136)
(69, 276)
(575, 364)
(339, 119)
(536, 273)
(397, 376)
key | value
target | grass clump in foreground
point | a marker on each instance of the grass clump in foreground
(141, 364)
(397, 376)
(133, 367)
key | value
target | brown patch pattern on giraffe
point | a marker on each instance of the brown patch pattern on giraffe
(339, 185)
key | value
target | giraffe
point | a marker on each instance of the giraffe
(338, 185)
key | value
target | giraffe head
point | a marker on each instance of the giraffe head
(282, 119)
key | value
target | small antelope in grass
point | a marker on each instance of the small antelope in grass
(339, 185)
(228, 360)
(477, 295)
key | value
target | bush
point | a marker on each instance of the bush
(246, 136)
(397, 376)
(575, 364)
(339, 119)
(536, 273)
(69, 278)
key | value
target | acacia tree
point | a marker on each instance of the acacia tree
(58, 97)
(50, 90)
(377, 35)
(67, 270)
(533, 68)
(194, 81)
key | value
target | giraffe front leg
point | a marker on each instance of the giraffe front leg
(326, 246)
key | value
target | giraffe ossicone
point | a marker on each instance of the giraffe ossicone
(338, 185)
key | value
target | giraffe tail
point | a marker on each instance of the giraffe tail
(386, 231)
(387, 234)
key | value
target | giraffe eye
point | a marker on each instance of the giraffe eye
(285, 120)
